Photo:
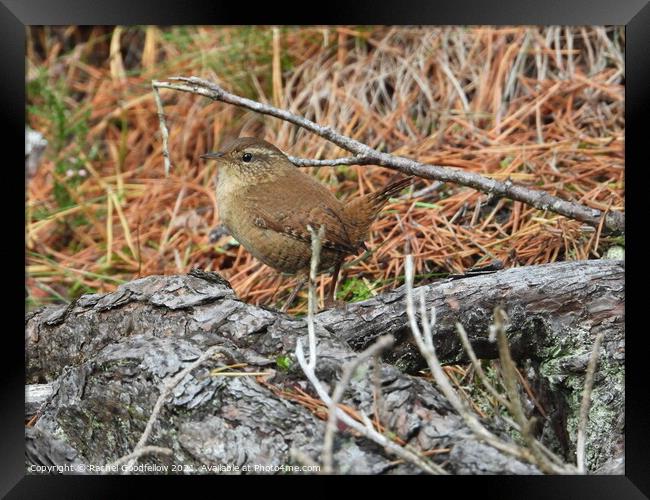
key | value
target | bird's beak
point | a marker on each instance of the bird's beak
(212, 155)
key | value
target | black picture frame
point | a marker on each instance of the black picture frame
(634, 14)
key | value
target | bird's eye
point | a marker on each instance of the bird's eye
(246, 157)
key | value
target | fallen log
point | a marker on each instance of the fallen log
(107, 357)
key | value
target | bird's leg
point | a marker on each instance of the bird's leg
(302, 279)
(331, 301)
(217, 232)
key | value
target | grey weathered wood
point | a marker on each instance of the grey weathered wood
(539, 300)
(555, 310)
(109, 355)
(35, 396)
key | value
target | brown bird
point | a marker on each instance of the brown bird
(266, 203)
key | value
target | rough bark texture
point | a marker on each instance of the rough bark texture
(107, 356)
(555, 310)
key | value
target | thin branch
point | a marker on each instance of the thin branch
(490, 388)
(163, 128)
(334, 412)
(478, 368)
(424, 342)
(140, 452)
(364, 155)
(373, 351)
(167, 389)
(348, 160)
(515, 405)
(316, 239)
(368, 432)
(586, 403)
(439, 376)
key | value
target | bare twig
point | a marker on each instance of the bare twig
(163, 128)
(477, 366)
(428, 353)
(347, 160)
(515, 405)
(334, 411)
(365, 430)
(140, 452)
(424, 341)
(490, 388)
(365, 155)
(373, 351)
(316, 239)
(586, 403)
(167, 389)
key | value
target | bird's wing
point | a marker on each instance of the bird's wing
(290, 216)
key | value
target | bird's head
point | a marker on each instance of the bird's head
(250, 159)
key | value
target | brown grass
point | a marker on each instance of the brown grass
(542, 106)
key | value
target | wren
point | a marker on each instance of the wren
(266, 203)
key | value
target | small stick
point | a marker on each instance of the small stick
(477, 366)
(316, 239)
(365, 155)
(515, 407)
(167, 389)
(135, 454)
(368, 432)
(424, 341)
(586, 403)
(163, 127)
(334, 411)
(373, 351)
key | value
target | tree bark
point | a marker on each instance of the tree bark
(555, 310)
(107, 356)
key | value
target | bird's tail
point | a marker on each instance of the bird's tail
(364, 210)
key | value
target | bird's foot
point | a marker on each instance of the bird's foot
(217, 232)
